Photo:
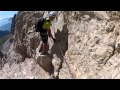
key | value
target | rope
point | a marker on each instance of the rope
(66, 63)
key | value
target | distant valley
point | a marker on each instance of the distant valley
(3, 33)
(5, 24)
(5, 30)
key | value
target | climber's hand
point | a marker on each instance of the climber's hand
(54, 40)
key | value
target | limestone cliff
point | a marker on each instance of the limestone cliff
(93, 45)
(87, 46)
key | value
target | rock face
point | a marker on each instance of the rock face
(26, 43)
(13, 24)
(56, 62)
(87, 48)
(25, 70)
(93, 46)
(1, 55)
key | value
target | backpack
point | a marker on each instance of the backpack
(38, 25)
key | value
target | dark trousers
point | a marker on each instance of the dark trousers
(44, 37)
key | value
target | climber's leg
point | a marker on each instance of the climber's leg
(41, 46)
(45, 41)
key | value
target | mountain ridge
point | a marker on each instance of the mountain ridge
(5, 24)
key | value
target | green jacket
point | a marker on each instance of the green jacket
(47, 24)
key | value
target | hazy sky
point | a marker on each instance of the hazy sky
(7, 14)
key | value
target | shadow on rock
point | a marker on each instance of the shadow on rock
(60, 47)
(45, 62)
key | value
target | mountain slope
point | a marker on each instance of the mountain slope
(5, 24)
(6, 27)
(4, 38)
(3, 33)
(88, 46)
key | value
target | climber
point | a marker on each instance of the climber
(47, 32)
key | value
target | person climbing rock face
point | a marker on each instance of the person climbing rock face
(46, 31)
